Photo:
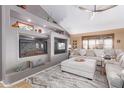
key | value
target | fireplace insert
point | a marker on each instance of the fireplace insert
(31, 46)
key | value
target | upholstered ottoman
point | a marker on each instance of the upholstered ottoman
(85, 68)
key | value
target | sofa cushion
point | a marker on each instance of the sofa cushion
(122, 61)
(110, 52)
(82, 52)
(75, 52)
(118, 51)
(114, 79)
(90, 53)
(121, 74)
(119, 56)
(99, 52)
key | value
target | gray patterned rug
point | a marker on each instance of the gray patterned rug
(53, 77)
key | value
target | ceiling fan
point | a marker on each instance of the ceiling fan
(93, 9)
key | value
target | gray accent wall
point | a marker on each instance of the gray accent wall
(0, 44)
(10, 49)
(57, 57)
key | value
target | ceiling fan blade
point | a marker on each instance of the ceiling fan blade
(106, 8)
(94, 8)
(84, 9)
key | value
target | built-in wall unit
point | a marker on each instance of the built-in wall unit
(29, 43)
(0, 45)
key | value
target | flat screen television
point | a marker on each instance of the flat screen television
(31, 46)
(60, 45)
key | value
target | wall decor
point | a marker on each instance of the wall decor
(118, 41)
(23, 25)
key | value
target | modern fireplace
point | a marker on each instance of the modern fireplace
(31, 46)
(60, 45)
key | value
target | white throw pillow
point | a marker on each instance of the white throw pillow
(118, 51)
(90, 53)
(119, 56)
(99, 52)
(122, 74)
(110, 52)
(122, 61)
(82, 52)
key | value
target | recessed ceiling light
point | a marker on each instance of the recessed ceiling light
(29, 20)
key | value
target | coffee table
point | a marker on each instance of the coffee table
(86, 68)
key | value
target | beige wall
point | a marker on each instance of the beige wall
(118, 35)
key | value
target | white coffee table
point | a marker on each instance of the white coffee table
(85, 69)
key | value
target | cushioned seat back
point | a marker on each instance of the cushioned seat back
(110, 52)
(99, 52)
(90, 52)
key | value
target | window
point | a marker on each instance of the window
(92, 43)
(108, 43)
(85, 44)
(98, 42)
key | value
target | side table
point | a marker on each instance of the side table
(102, 67)
(103, 64)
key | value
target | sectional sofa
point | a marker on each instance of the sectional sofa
(114, 68)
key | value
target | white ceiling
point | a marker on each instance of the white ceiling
(77, 21)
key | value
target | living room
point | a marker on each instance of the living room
(52, 48)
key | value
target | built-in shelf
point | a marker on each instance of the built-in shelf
(23, 14)
(32, 33)
(11, 44)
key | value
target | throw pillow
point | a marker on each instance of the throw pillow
(99, 52)
(82, 52)
(110, 52)
(122, 61)
(118, 51)
(75, 52)
(90, 53)
(121, 74)
(119, 56)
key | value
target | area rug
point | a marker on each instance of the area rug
(53, 77)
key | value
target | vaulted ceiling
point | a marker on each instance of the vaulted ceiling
(76, 21)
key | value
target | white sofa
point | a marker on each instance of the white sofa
(85, 68)
(96, 54)
(115, 73)
(114, 70)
